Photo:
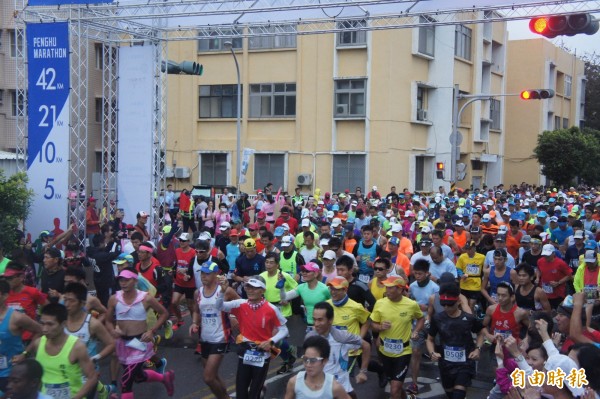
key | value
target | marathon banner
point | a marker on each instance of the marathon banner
(48, 126)
(245, 162)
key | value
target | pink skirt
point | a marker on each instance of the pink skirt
(129, 355)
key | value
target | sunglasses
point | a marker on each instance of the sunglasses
(305, 271)
(200, 251)
(447, 303)
(379, 269)
(311, 360)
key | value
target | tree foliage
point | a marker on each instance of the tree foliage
(592, 91)
(15, 201)
(567, 154)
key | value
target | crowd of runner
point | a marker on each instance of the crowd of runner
(380, 282)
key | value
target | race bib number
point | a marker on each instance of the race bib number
(209, 319)
(365, 278)
(58, 391)
(548, 289)
(591, 293)
(455, 354)
(473, 270)
(3, 362)
(254, 358)
(394, 346)
(503, 333)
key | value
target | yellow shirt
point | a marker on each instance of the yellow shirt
(473, 268)
(377, 291)
(350, 317)
(395, 340)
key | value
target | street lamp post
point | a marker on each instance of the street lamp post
(229, 45)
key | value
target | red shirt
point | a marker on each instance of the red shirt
(553, 271)
(505, 323)
(149, 272)
(292, 222)
(26, 302)
(258, 325)
(593, 335)
(183, 261)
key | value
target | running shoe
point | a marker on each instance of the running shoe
(412, 388)
(285, 368)
(149, 364)
(169, 382)
(102, 393)
(198, 350)
(168, 329)
(162, 366)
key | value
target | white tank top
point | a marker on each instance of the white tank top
(215, 326)
(304, 392)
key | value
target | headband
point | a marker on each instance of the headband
(128, 274)
(146, 248)
(448, 298)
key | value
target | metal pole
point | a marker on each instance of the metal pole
(239, 122)
(454, 138)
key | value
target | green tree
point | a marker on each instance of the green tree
(15, 201)
(592, 91)
(560, 153)
(590, 173)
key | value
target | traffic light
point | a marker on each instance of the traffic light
(439, 170)
(185, 68)
(537, 94)
(569, 25)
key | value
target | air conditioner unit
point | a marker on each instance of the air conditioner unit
(169, 173)
(182, 173)
(304, 179)
(421, 114)
(341, 110)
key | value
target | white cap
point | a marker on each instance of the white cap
(329, 254)
(578, 234)
(486, 217)
(256, 283)
(285, 226)
(286, 241)
(355, 203)
(459, 223)
(324, 242)
(336, 222)
(374, 188)
(590, 256)
(330, 214)
(396, 228)
(305, 223)
(184, 237)
(426, 230)
(547, 250)
(225, 226)
(557, 208)
(506, 213)
(408, 214)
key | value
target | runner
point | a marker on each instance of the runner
(312, 291)
(341, 342)
(528, 296)
(499, 272)
(184, 284)
(258, 320)
(504, 319)
(366, 251)
(456, 353)
(358, 291)
(63, 357)
(554, 274)
(392, 317)
(314, 382)
(134, 338)
(215, 331)
(469, 268)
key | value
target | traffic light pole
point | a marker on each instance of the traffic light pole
(455, 137)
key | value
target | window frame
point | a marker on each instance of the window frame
(217, 44)
(283, 41)
(233, 96)
(14, 43)
(336, 184)
(270, 178)
(568, 85)
(423, 33)
(495, 109)
(273, 96)
(15, 104)
(463, 42)
(351, 93)
(203, 158)
(357, 37)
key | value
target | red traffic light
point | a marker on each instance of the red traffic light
(439, 166)
(537, 94)
(570, 25)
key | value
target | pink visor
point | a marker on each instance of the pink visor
(128, 274)
(146, 248)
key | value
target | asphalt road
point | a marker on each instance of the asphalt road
(179, 352)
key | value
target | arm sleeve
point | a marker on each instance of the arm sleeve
(229, 305)
(288, 296)
(550, 348)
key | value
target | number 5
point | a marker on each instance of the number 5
(49, 186)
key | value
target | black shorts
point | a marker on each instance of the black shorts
(475, 295)
(395, 368)
(213, 349)
(452, 374)
(187, 291)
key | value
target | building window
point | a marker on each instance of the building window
(565, 123)
(556, 122)
(462, 42)
(98, 110)
(269, 168)
(348, 172)
(213, 169)
(350, 97)
(275, 41)
(17, 107)
(427, 36)
(419, 173)
(216, 44)
(352, 37)
(272, 100)
(99, 56)
(495, 114)
(218, 101)
(422, 100)
(568, 85)
(16, 43)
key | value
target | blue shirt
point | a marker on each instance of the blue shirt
(559, 236)
(422, 294)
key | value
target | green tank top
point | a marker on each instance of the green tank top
(288, 265)
(61, 379)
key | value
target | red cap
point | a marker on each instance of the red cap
(234, 232)
(261, 215)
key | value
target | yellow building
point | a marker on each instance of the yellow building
(537, 63)
(337, 111)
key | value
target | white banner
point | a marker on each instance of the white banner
(245, 162)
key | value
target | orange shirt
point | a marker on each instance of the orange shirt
(403, 261)
(349, 245)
